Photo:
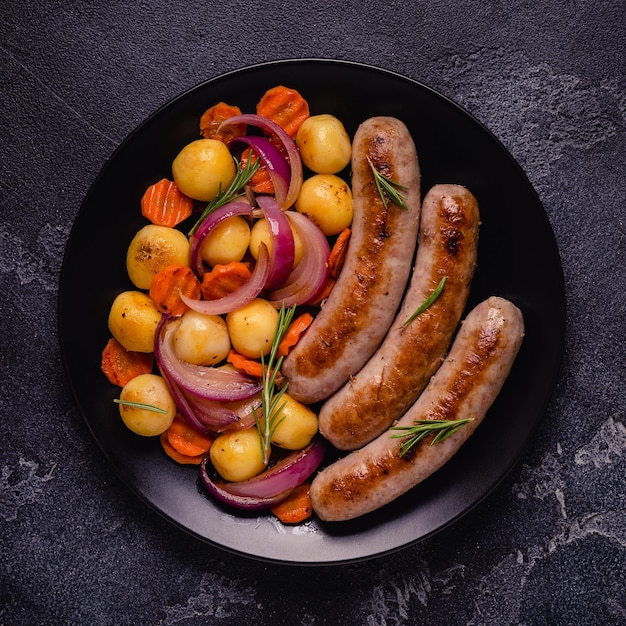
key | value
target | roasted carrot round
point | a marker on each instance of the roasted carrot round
(121, 365)
(182, 459)
(169, 283)
(243, 363)
(186, 439)
(164, 204)
(296, 507)
(260, 181)
(284, 106)
(213, 117)
(224, 279)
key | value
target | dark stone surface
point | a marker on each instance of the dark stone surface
(548, 547)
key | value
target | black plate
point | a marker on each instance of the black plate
(518, 259)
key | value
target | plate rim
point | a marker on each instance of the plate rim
(346, 64)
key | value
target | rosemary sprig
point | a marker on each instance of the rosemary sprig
(271, 406)
(422, 428)
(388, 189)
(431, 298)
(140, 405)
(234, 190)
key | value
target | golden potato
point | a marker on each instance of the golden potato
(151, 390)
(252, 328)
(237, 456)
(326, 200)
(201, 339)
(324, 144)
(133, 320)
(297, 425)
(260, 233)
(202, 167)
(153, 248)
(227, 242)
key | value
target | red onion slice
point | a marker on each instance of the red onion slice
(277, 165)
(208, 383)
(270, 487)
(205, 415)
(219, 417)
(189, 411)
(244, 295)
(244, 503)
(231, 209)
(283, 246)
(309, 277)
(295, 163)
(245, 412)
(184, 407)
(286, 474)
(210, 417)
(214, 415)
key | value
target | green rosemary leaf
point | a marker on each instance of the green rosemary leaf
(140, 405)
(269, 415)
(441, 429)
(431, 298)
(388, 189)
(234, 190)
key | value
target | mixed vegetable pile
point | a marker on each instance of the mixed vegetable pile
(239, 251)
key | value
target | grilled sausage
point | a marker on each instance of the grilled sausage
(397, 373)
(368, 292)
(465, 386)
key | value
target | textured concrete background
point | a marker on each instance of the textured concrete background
(548, 547)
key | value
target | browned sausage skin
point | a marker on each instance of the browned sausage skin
(400, 369)
(365, 299)
(465, 386)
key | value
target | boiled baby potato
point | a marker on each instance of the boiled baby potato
(324, 144)
(150, 390)
(297, 425)
(201, 339)
(153, 248)
(227, 242)
(326, 200)
(133, 320)
(252, 328)
(237, 455)
(202, 168)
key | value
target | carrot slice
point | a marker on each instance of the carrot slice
(336, 259)
(164, 204)
(167, 285)
(186, 439)
(183, 459)
(338, 252)
(214, 116)
(284, 106)
(243, 363)
(224, 279)
(296, 507)
(120, 365)
(294, 332)
(260, 181)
